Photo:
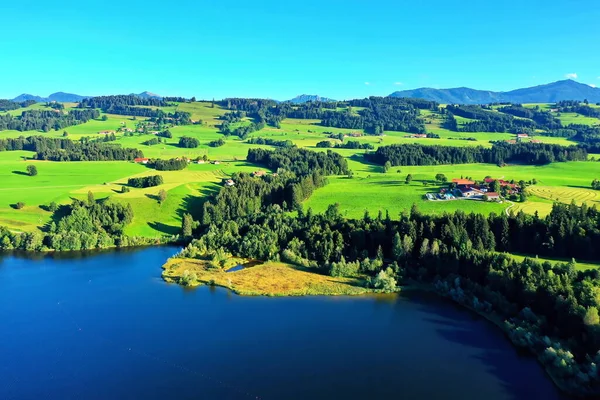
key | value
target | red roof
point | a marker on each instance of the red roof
(141, 159)
(463, 181)
(492, 194)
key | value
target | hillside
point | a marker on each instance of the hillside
(548, 93)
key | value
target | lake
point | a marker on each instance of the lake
(107, 327)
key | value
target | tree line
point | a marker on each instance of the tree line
(45, 120)
(8, 105)
(350, 144)
(60, 149)
(270, 142)
(499, 153)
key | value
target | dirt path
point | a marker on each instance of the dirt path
(509, 207)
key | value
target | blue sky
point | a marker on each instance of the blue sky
(278, 49)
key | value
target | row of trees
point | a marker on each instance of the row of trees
(499, 153)
(8, 105)
(42, 120)
(173, 164)
(271, 142)
(350, 144)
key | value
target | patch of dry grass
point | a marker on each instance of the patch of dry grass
(269, 279)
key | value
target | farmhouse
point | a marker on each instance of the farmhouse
(522, 135)
(470, 192)
(105, 132)
(259, 173)
(229, 182)
(141, 160)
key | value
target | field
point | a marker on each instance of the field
(270, 279)
(375, 191)
(579, 265)
(369, 189)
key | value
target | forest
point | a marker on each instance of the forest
(41, 120)
(55, 149)
(8, 105)
(81, 225)
(376, 115)
(499, 153)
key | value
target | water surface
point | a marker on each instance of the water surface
(107, 327)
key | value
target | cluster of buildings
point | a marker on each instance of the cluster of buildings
(416, 136)
(258, 174)
(461, 188)
(522, 137)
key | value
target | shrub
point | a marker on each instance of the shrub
(32, 170)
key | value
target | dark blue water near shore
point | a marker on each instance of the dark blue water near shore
(107, 327)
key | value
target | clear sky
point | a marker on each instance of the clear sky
(279, 49)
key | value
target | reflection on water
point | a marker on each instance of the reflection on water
(106, 326)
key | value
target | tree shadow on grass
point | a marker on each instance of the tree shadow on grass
(192, 204)
(62, 211)
(164, 228)
(372, 168)
(20, 173)
(152, 196)
(579, 187)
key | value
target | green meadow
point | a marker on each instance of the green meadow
(373, 190)
(369, 189)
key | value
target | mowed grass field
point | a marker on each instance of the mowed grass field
(370, 189)
(373, 190)
(63, 181)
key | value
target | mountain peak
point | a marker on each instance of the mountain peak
(147, 95)
(303, 98)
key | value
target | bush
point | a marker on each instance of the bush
(216, 143)
(19, 205)
(32, 170)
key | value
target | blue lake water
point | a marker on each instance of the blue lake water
(107, 327)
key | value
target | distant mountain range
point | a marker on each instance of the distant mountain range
(63, 97)
(304, 98)
(549, 93)
(59, 96)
